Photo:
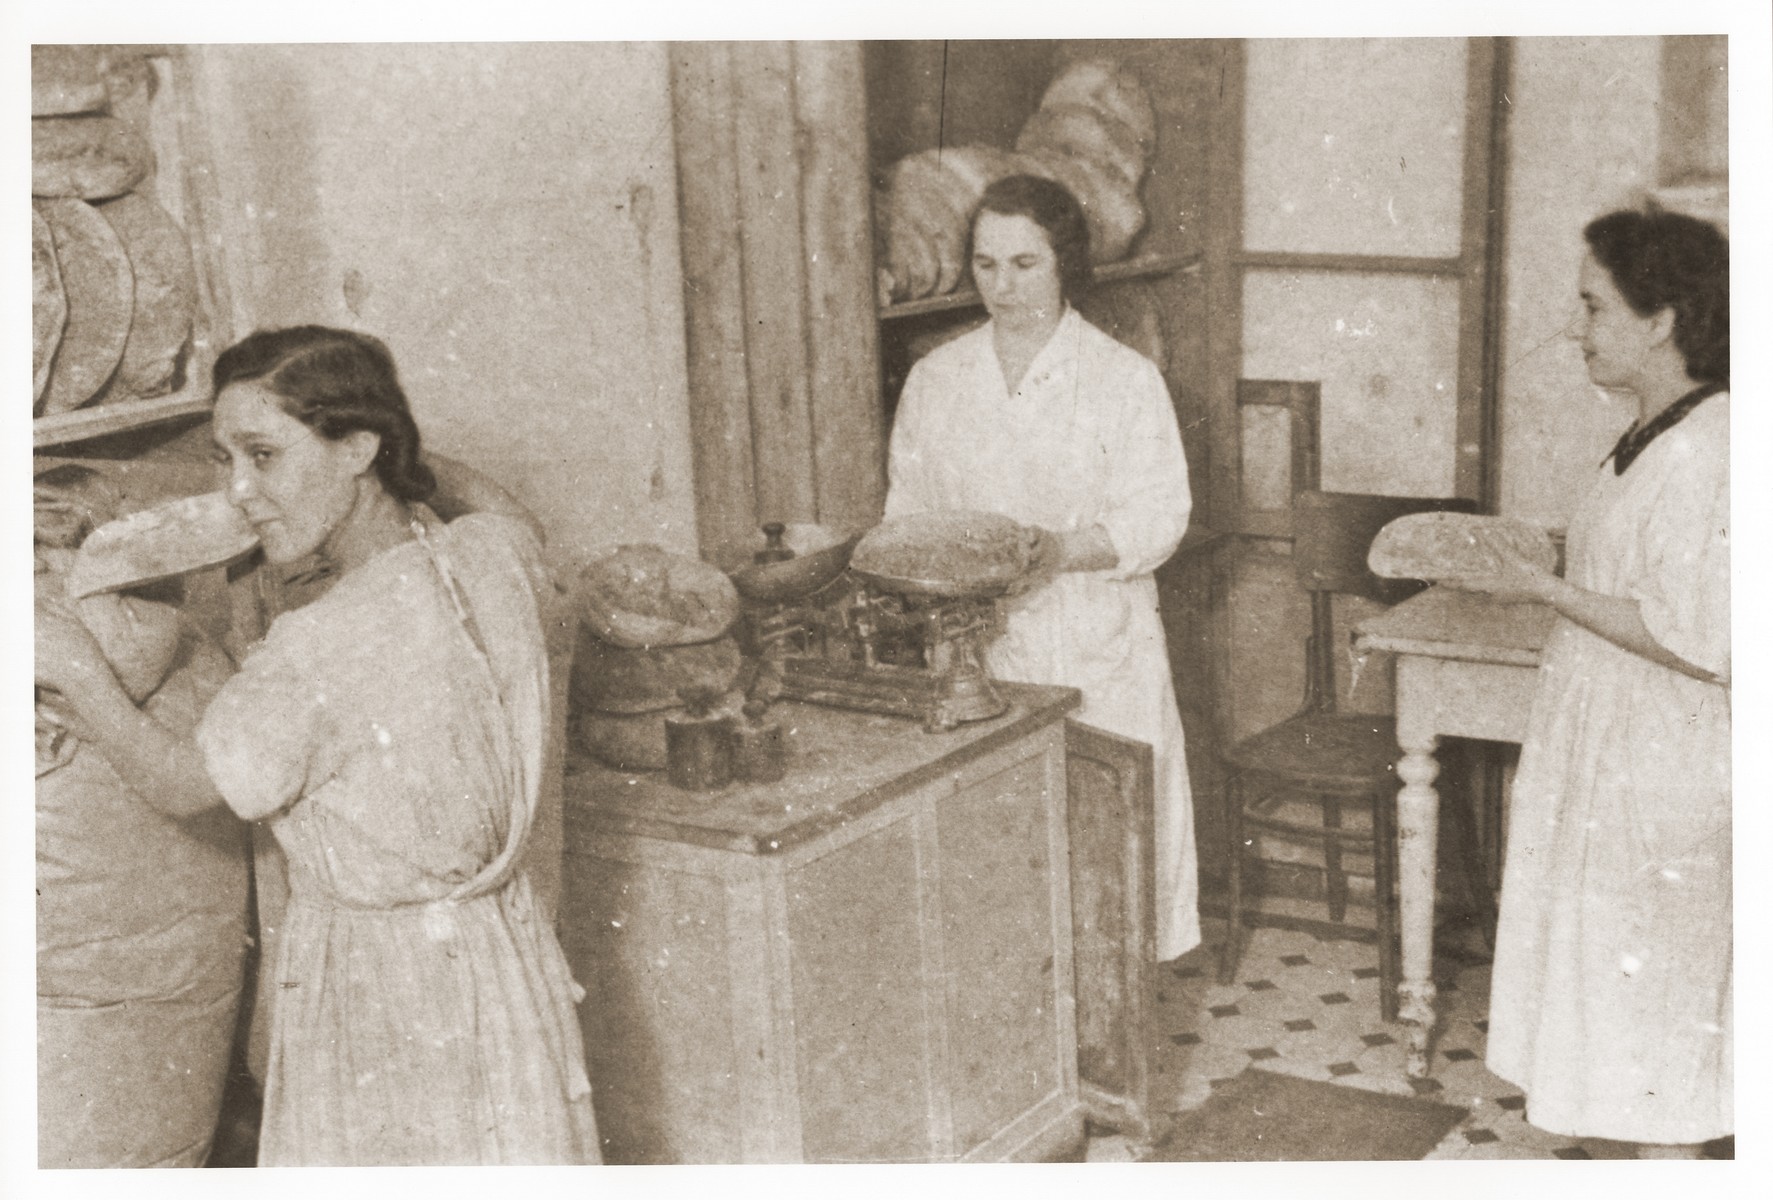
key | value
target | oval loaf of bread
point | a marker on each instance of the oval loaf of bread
(90, 157)
(165, 304)
(1442, 545)
(100, 290)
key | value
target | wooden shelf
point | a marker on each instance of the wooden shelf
(80, 424)
(1144, 267)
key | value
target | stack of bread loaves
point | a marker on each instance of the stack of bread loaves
(653, 626)
(1094, 132)
(113, 288)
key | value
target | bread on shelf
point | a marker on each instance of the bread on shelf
(1094, 133)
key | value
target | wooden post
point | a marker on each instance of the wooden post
(778, 287)
(713, 291)
(849, 440)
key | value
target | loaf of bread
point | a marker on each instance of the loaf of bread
(165, 298)
(1084, 133)
(100, 291)
(644, 596)
(619, 679)
(1114, 213)
(66, 80)
(1094, 134)
(1441, 545)
(139, 636)
(70, 501)
(49, 306)
(1110, 89)
(87, 157)
(953, 552)
(930, 204)
(173, 538)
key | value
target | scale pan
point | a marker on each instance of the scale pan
(820, 555)
(951, 555)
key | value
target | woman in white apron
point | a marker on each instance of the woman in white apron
(1611, 996)
(1042, 417)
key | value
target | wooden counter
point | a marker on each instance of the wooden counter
(871, 960)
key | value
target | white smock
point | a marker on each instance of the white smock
(1088, 438)
(1611, 993)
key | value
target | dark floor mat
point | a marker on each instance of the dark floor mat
(1262, 1116)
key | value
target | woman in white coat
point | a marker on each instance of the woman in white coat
(1042, 417)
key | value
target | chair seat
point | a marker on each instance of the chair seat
(1326, 751)
(1300, 818)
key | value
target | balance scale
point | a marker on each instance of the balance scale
(905, 648)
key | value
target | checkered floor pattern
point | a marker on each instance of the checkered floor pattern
(1309, 1007)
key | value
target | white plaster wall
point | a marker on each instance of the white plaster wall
(505, 217)
(1583, 139)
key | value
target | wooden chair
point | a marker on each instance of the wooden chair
(1328, 759)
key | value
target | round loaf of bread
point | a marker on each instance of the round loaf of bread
(165, 303)
(172, 538)
(619, 679)
(644, 596)
(87, 157)
(49, 306)
(66, 80)
(100, 291)
(954, 552)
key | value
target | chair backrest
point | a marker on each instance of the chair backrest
(1332, 532)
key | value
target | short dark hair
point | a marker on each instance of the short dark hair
(1051, 206)
(336, 381)
(1660, 259)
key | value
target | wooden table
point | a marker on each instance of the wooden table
(875, 959)
(1467, 666)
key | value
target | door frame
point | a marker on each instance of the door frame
(1477, 267)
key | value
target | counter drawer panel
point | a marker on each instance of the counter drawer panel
(996, 900)
(859, 1020)
(653, 963)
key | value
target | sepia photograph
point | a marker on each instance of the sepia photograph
(1107, 593)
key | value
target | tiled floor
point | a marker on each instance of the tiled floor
(1310, 1007)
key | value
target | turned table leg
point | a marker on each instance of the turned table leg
(1418, 817)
